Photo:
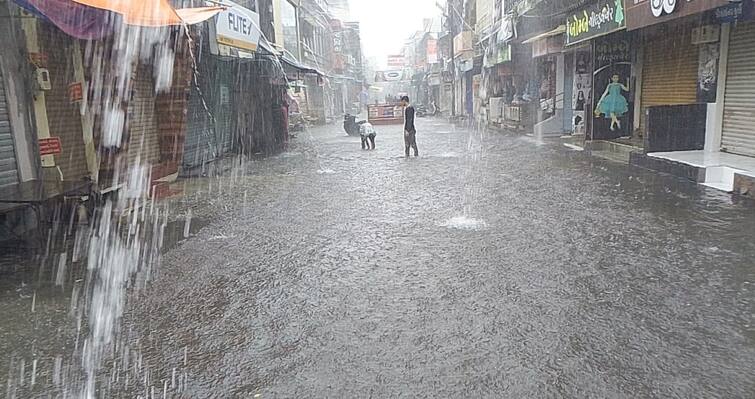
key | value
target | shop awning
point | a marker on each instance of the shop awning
(75, 20)
(561, 29)
(153, 13)
(289, 60)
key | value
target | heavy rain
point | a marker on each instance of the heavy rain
(377, 199)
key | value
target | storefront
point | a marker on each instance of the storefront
(546, 81)
(596, 49)
(738, 132)
(62, 111)
(678, 47)
(211, 127)
(547, 52)
(669, 69)
(465, 64)
(209, 134)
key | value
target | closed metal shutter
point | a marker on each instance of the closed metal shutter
(144, 140)
(64, 118)
(197, 149)
(8, 165)
(669, 72)
(203, 143)
(738, 135)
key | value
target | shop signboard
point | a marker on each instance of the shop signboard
(238, 27)
(642, 13)
(76, 92)
(581, 89)
(503, 54)
(50, 146)
(396, 61)
(508, 28)
(463, 42)
(600, 18)
(432, 51)
(734, 12)
(389, 76)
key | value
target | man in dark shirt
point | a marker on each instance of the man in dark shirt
(410, 132)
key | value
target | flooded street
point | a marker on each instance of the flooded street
(491, 266)
(190, 208)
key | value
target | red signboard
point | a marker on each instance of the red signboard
(50, 146)
(75, 92)
(432, 51)
(395, 61)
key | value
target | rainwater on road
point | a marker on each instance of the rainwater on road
(491, 266)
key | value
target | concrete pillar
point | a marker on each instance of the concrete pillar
(87, 118)
(30, 27)
(637, 66)
(714, 128)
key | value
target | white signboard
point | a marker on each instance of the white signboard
(238, 27)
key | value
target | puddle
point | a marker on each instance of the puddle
(464, 223)
(448, 155)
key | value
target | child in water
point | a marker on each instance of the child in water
(368, 133)
(613, 104)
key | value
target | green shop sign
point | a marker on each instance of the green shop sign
(600, 18)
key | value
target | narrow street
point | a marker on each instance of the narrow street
(491, 266)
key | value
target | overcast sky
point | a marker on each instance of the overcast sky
(386, 24)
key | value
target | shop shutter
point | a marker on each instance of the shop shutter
(739, 101)
(144, 140)
(669, 73)
(203, 142)
(8, 165)
(196, 147)
(63, 116)
(224, 94)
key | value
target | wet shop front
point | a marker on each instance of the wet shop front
(678, 47)
(238, 96)
(598, 59)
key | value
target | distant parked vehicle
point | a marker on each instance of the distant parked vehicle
(420, 110)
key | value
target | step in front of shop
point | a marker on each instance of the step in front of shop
(744, 185)
(610, 150)
(680, 169)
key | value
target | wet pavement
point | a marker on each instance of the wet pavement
(491, 266)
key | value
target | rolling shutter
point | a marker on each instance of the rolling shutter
(669, 72)
(8, 165)
(738, 134)
(205, 142)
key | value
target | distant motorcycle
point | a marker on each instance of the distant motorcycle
(351, 125)
(420, 111)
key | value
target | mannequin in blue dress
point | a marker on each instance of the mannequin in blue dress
(613, 104)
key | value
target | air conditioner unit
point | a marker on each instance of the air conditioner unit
(706, 34)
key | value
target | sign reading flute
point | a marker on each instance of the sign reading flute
(238, 27)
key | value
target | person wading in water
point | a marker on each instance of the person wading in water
(410, 132)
